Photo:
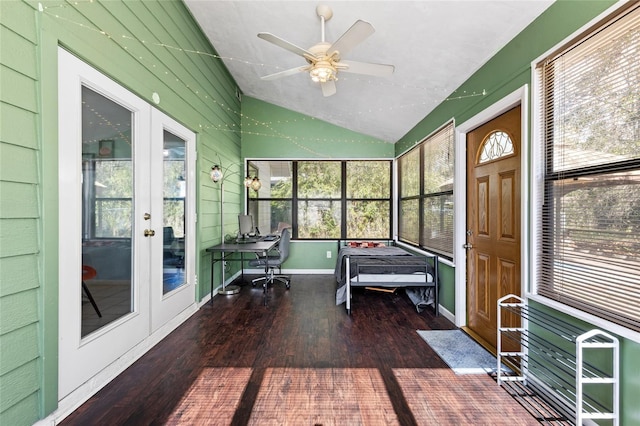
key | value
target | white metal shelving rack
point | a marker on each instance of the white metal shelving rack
(558, 375)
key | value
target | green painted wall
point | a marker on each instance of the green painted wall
(147, 47)
(305, 254)
(269, 131)
(447, 287)
(20, 217)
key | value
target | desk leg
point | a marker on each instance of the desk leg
(227, 290)
(266, 272)
(265, 285)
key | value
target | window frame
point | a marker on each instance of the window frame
(545, 176)
(343, 199)
(424, 196)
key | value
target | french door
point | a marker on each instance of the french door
(126, 221)
(173, 197)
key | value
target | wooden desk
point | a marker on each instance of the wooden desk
(259, 247)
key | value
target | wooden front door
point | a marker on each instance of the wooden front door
(493, 220)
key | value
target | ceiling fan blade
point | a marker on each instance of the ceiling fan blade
(284, 44)
(328, 88)
(285, 73)
(377, 70)
(352, 37)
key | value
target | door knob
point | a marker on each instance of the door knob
(149, 232)
(467, 246)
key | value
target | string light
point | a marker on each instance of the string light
(48, 8)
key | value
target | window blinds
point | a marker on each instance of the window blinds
(426, 193)
(590, 228)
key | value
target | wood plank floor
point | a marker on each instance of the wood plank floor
(300, 360)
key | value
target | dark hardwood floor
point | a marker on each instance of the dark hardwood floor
(300, 359)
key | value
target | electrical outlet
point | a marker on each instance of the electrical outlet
(328, 255)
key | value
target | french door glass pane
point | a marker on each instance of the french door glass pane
(174, 194)
(107, 211)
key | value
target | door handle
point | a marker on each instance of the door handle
(149, 232)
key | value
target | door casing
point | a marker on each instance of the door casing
(521, 97)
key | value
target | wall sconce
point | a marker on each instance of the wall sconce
(216, 173)
(249, 182)
(256, 184)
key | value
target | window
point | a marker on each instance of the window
(426, 193)
(109, 216)
(329, 199)
(368, 199)
(409, 184)
(319, 195)
(272, 206)
(590, 191)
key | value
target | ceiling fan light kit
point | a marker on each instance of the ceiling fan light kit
(321, 73)
(324, 58)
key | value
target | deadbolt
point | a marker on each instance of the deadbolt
(146, 216)
(149, 232)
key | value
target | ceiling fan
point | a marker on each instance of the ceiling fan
(325, 59)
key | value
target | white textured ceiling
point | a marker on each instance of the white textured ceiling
(434, 45)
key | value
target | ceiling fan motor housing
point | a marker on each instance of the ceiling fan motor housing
(324, 11)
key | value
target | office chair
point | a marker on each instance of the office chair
(273, 261)
(170, 256)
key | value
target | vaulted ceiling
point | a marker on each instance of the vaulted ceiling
(434, 45)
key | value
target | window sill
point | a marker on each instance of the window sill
(597, 322)
(441, 259)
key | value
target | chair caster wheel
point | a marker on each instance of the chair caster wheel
(288, 286)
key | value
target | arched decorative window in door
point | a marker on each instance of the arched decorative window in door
(496, 144)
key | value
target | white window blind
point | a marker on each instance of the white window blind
(426, 193)
(437, 224)
(409, 208)
(590, 227)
